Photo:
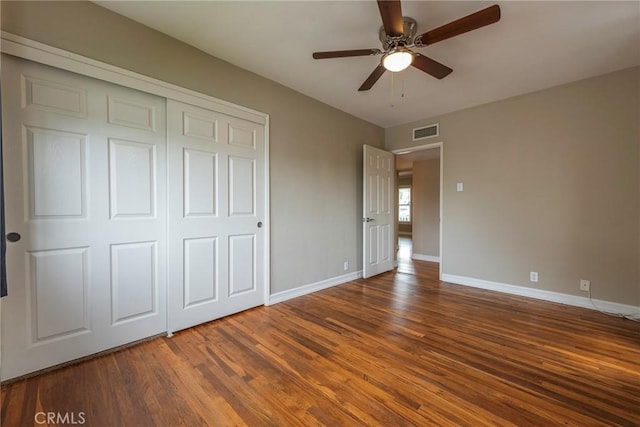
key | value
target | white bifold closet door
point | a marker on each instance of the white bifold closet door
(217, 176)
(85, 187)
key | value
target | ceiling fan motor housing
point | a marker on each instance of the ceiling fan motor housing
(406, 39)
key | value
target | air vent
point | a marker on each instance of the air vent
(426, 132)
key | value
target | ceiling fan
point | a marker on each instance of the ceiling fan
(398, 35)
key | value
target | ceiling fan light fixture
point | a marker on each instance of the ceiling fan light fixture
(397, 59)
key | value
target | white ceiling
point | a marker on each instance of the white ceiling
(534, 46)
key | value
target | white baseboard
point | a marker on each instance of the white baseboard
(312, 287)
(421, 257)
(577, 301)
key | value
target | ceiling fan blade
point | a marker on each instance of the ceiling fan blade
(471, 22)
(430, 66)
(346, 53)
(391, 13)
(373, 78)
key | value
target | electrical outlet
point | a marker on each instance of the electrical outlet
(345, 266)
(585, 285)
(533, 276)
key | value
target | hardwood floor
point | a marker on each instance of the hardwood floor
(399, 349)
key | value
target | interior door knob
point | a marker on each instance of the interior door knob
(13, 237)
(259, 224)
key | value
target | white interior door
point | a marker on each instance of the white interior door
(378, 211)
(217, 176)
(84, 168)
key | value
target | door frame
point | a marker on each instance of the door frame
(32, 50)
(431, 146)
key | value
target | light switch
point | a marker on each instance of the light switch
(460, 186)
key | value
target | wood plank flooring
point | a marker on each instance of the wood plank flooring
(396, 350)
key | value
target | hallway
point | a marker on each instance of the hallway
(405, 247)
(405, 250)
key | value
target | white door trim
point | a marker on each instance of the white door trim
(65, 60)
(48, 55)
(408, 150)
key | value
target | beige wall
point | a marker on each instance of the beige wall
(551, 184)
(315, 152)
(426, 207)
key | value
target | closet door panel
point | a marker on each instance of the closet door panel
(216, 186)
(85, 185)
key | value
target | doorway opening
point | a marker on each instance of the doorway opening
(419, 206)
